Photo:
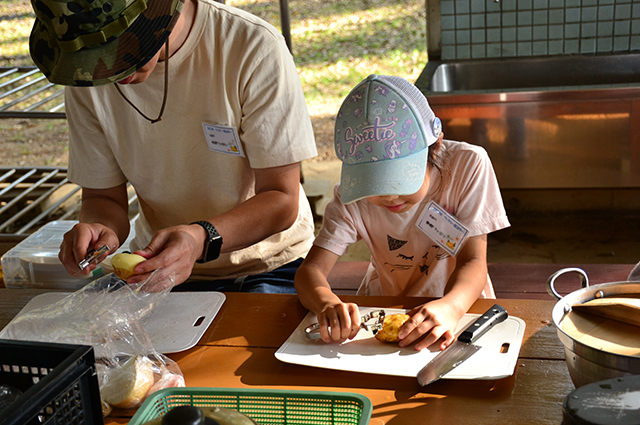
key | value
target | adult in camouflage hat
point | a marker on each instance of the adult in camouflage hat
(217, 179)
(91, 43)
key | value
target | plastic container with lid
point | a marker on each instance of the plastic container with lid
(34, 263)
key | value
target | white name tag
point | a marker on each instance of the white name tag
(443, 228)
(223, 139)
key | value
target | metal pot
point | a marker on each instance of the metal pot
(587, 364)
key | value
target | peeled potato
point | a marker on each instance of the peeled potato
(391, 326)
(123, 264)
(126, 386)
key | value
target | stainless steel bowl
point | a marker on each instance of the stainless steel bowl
(588, 364)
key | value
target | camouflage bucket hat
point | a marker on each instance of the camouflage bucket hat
(96, 42)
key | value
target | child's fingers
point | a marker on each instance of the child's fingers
(324, 327)
(439, 336)
(449, 337)
(338, 329)
(417, 318)
(336, 323)
(419, 331)
(354, 315)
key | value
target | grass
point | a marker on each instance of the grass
(335, 43)
(16, 19)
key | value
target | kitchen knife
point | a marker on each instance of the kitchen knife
(463, 347)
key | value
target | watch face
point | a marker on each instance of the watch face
(212, 247)
(213, 243)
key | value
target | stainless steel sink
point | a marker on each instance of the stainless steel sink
(566, 122)
(533, 73)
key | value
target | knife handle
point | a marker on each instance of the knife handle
(493, 316)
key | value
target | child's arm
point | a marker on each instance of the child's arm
(440, 317)
(315, 294)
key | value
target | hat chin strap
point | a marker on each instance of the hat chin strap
(164, 96)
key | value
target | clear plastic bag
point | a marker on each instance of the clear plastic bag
(106, 314)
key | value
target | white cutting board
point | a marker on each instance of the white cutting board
(366, 354)
(175, 325)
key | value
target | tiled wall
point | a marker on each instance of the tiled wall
(474, 29)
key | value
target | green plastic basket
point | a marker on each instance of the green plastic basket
(264, 406)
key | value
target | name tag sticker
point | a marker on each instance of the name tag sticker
(443, 228)
(223, 139)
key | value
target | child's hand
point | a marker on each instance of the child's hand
(342, 318)
(432, 321)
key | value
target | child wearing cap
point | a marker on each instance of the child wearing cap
(422, 204)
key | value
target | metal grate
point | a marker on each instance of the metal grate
(32, 197)
(26, 93)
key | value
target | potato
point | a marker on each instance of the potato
(123, 264)
(126, 386)
(391, 326)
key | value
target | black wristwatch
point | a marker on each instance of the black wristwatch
(212, 244)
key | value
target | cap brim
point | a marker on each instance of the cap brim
(113, 60)
(399, 176)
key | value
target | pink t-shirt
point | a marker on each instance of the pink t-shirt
(404, 260)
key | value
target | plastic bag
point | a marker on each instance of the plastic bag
(106, 314)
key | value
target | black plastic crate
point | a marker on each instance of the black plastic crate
(58, 381)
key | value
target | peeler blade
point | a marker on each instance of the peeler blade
(313, 331)
(92, 256)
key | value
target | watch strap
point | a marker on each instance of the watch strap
(213, 243)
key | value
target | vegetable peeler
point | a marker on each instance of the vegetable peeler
(92, 256)
(313, 331)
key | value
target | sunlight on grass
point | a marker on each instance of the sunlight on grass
(327, 85)
(337, 43)
(15, 27)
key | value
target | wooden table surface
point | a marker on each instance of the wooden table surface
(237, 351)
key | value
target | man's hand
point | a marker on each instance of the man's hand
(174, 249)
(78, 241)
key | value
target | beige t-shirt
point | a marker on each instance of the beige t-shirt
(234, 70)
(404, 261)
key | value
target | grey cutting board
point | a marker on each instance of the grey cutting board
(173, 326)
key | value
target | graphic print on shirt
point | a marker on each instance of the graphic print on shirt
(406, 262)
(405, 257)
(439, 254)
(394, 243)
(442, 255)
(402, 267)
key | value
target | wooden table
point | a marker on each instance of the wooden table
(238, 351)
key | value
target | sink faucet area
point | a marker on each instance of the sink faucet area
(565, 123)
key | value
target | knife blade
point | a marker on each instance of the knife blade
(463, 347)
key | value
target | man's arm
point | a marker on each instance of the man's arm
(109, 207)
(273, 209)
